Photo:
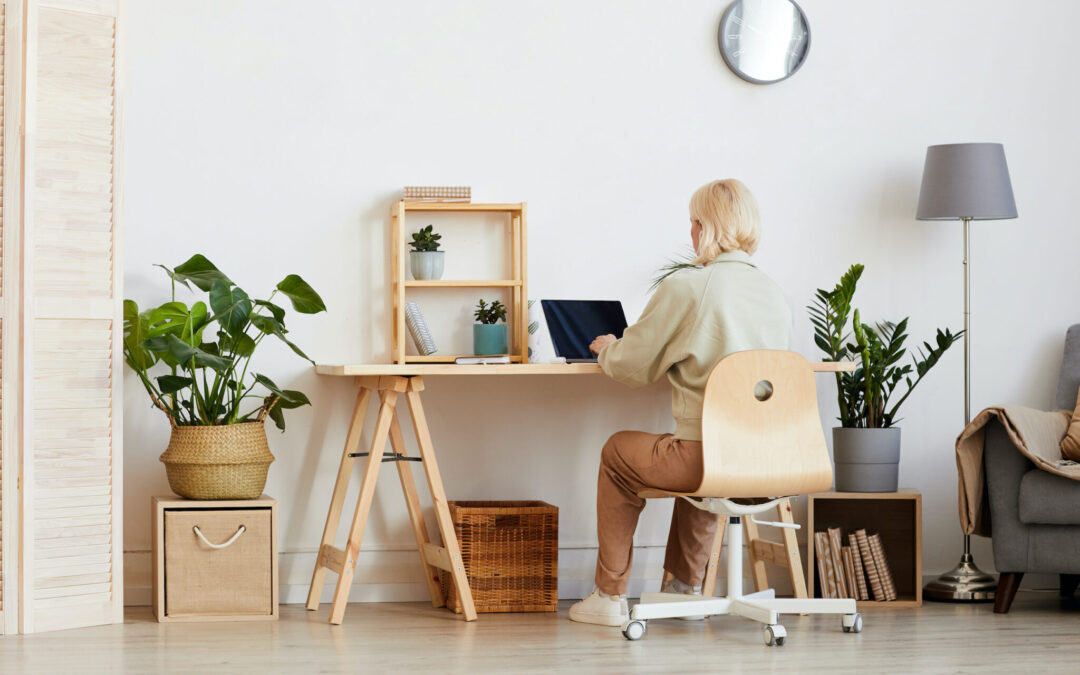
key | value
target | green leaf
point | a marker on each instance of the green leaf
(243, 345)
(231, 306)
(267, 324)
(269, 384)
(193, 330)
(304, 298)
(199, 271)
(277, 312)
(168, 318)
(298, 399)
(171, 384)
(173, 276)
(188, 356)
(270, 327)
(277, 414)
(136, 327)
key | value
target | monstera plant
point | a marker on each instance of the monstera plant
(195, 362)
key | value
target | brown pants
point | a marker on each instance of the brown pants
(630, 462)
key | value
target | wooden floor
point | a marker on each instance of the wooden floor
(1041, 634)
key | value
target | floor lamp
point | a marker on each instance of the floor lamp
(965, 181)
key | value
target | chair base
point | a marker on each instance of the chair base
(763, 606)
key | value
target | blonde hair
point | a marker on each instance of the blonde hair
(728, 214)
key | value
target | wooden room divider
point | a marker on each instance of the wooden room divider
(61, 322)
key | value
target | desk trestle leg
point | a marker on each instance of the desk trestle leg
(388, 428)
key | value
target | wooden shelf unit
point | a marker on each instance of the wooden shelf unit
(517, 310)
(896, 516)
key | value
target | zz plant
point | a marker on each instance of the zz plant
(207, 348)
(868, 396)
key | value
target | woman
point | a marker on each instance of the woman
(694, 319)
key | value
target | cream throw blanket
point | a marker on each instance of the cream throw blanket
(1035, 433)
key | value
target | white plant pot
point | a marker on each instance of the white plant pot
(426, 265)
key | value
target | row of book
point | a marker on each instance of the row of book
(858, 570)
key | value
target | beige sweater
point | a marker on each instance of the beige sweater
(695, 318)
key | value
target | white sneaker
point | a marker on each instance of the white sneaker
(673, 585)
(602, 610)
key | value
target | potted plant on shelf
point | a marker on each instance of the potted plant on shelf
(425, 259)
(489, 336)
(218, 447)
(866, 445)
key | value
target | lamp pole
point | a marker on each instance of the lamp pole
(965, 582)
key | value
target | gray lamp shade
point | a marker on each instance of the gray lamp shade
(966, 180)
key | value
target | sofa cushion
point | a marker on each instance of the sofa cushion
(1046, 499)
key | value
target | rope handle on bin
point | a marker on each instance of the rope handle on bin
(239, 531)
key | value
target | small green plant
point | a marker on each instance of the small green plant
(425, 240)
(489, 314)
(865, 396)
(206, 351)
(684, 261)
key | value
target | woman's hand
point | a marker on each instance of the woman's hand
(600, 342)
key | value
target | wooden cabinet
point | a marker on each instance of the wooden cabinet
(895, 516)
(215, 560)
(61, 325)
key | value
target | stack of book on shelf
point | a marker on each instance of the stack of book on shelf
(858, 570)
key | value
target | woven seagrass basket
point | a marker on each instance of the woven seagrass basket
(218, 462)
(511, 555)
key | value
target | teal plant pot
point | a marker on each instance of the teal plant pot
(490, 339)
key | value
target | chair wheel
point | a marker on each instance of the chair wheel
(775, 635)
(852, 623)
(633, 630)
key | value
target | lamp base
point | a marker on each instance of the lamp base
(963, 583)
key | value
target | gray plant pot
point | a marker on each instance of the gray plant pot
(426, 265)
(867, 460)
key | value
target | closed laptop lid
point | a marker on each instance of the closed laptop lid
(574, 324)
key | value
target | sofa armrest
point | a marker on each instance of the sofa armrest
(1005, 467)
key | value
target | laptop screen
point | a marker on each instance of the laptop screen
(574, 324)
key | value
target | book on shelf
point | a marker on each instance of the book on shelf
(849, 573)
(887, 583)
(820, 542)
(856, 560)
(479, 360)
(830, 584)
(421, 336)
(837, 561)
(876, 589)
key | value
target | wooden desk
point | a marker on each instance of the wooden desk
(389, 381)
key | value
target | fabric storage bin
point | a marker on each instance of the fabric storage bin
(510, 550)
(215, 560)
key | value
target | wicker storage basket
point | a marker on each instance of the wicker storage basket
(511, 555)
(218, 462)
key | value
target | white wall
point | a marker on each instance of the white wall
(273, 136)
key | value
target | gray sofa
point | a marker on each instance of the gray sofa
(1034, 515)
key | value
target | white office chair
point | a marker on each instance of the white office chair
(761, 437)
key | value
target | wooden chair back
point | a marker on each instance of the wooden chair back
(762, 446)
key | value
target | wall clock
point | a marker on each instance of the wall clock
(764, 41)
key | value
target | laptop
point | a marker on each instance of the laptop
(574, 324)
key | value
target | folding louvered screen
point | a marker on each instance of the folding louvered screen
(8, 493)
(71, 326)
